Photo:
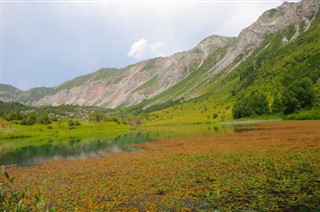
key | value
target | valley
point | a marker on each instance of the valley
(229, 125)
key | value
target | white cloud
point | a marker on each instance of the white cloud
(142, 49)
(138, 49)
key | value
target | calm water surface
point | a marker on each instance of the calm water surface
(80, 149)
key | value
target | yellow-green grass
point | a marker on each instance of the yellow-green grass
(16, 136)
(191, 112)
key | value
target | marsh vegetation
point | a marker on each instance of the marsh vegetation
(265, 166)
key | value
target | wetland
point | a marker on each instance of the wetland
(264, 166)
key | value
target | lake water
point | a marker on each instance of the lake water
(80, 149)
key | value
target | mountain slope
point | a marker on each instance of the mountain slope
(270, 69)
(290, 18)
(127, 86)
(8, 93)
(182, 76)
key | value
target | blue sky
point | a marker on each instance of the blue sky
(45, 43)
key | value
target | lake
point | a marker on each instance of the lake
(38, 150)
(270, 166)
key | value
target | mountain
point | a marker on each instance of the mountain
(289, 21)
(127, 86)
(212, 67)
(9, 93)
(283, 57)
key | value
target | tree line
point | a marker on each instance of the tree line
(29, 115)
(297, 96)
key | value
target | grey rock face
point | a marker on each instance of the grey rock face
(269, 22)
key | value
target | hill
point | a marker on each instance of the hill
(204, 82)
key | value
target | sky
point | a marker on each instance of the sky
(44, 43)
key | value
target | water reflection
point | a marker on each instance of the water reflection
(37, 151)
(73, 149)
(246, 129)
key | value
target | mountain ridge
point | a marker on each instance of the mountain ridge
(176, 67)
(189, 73)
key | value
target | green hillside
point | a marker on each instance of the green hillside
(104, 73)
(206, 95)
(8, 91)
(269, 70)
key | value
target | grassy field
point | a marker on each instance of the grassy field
(61, 129)
(15, 136)
(267, 167)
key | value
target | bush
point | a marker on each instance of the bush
(313, 114)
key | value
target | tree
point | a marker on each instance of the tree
(252, 105)
(277, 106)
(242, 109)
(97, 117)
(299, 95)
(31, 119)
(44, 119)
(70, 124)
(259, 103)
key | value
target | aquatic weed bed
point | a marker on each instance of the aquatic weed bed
(274, 168)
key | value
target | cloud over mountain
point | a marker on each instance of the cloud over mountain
(143, 49)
